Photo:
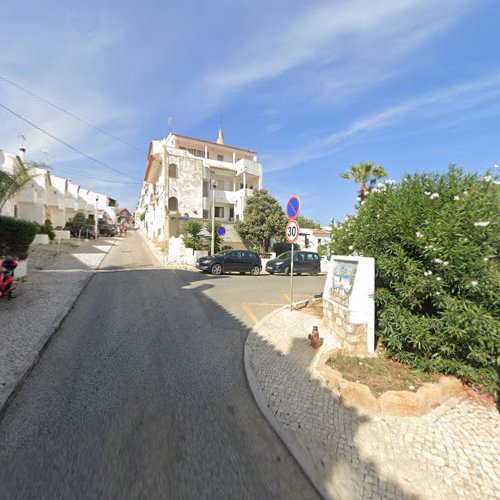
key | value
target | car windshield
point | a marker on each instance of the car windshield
(285, 255)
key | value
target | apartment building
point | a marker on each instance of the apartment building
(48, 196)
(188, 178)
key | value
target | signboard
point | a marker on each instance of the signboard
(293, 207)
(221, 230)
(292, 231)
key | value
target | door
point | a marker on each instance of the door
(299, 264)
(232, 261)
(246, 262)
(310, 262)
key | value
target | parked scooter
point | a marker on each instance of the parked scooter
(7, 286)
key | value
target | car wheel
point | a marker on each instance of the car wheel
(315, 271)
(298, 274)
(216, 269)
(287, 271)
(270, 272)
(255, 271)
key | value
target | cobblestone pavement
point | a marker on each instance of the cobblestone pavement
(452, 452)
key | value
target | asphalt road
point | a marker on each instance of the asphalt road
(142, 393)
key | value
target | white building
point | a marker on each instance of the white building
(187, 178)
(48, 196)
(311, 239)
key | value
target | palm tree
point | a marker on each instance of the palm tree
(365, 173)
(12, 182)
(193, 236)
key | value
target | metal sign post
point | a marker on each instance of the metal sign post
(292, 234)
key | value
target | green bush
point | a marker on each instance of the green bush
(435, 239)
(282, 247)
(47, 229)
(16, 236)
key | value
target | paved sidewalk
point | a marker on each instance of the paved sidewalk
(452, 452)
(43, 299)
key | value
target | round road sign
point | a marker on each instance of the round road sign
(292, 231)
(293, 207)
(221, 230)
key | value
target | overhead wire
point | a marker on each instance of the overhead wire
(76, 150)
(69, 113)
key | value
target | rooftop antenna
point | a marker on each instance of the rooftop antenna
(171, 124)
(22, 138)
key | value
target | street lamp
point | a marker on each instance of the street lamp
(214, 185)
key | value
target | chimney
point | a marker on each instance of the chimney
(22, 153)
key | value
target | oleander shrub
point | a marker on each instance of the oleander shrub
(435, 239)
(16, 235)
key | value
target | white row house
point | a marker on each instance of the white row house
(188, 178)
(48, 196)
(311, 239)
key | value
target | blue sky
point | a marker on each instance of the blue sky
(312, 86)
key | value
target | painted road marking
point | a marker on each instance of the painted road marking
(249, 312)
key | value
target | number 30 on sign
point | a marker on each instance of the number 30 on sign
(292, 231)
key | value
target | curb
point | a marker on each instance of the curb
(59, 320)
(290, 442)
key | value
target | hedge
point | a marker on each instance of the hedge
(16, 235)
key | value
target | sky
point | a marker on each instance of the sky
(313, 87)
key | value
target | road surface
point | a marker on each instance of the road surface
(142, 394)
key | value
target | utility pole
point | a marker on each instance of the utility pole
(214, 185)
(95, 218)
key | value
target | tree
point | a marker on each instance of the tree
(192, 235)
(78, 220)
(307, 223)
(364, 173)
(263, 219)
(436, 245)
(12, 182)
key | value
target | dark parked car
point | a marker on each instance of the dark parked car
(82, 231)
(303, 262)
(228, 261)
(107, 230)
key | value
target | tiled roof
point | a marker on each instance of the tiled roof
(214, 143)
(321, 231)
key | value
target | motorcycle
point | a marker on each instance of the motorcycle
(7, 286)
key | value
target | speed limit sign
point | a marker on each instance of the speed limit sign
(292, 231)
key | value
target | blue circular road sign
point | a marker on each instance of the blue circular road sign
(293, 207)
(221, 230)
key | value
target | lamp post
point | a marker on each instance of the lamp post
(95, 218)
(214, 185)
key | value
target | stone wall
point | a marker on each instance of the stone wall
(352, 337)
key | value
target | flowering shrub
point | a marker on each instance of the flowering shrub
(435, 238)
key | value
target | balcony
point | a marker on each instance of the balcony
(248, 166)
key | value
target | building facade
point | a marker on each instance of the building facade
(188, 178)
(50, 197)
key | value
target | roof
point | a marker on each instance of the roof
(214, 143)
(321, 231)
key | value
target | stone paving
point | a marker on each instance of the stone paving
(451, 452)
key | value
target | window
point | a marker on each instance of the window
(205, 188)
(231, 214)
(220, 157)
(195, 152)
(173, 204)
(299, 257)
(219, 212)
(310, 256)
(205, 214)
(172, 171)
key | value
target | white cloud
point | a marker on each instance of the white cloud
(461, 97)
(357, 30)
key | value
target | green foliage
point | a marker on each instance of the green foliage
(436, 242)
(16, 236)
(78, 220)
(307, 223)
(365, 173)
(208, 239)
(12, 182)
(142, 216)
(193, 235)
(47, 228)
(324, 250)
(282, 247)
(263, 219)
